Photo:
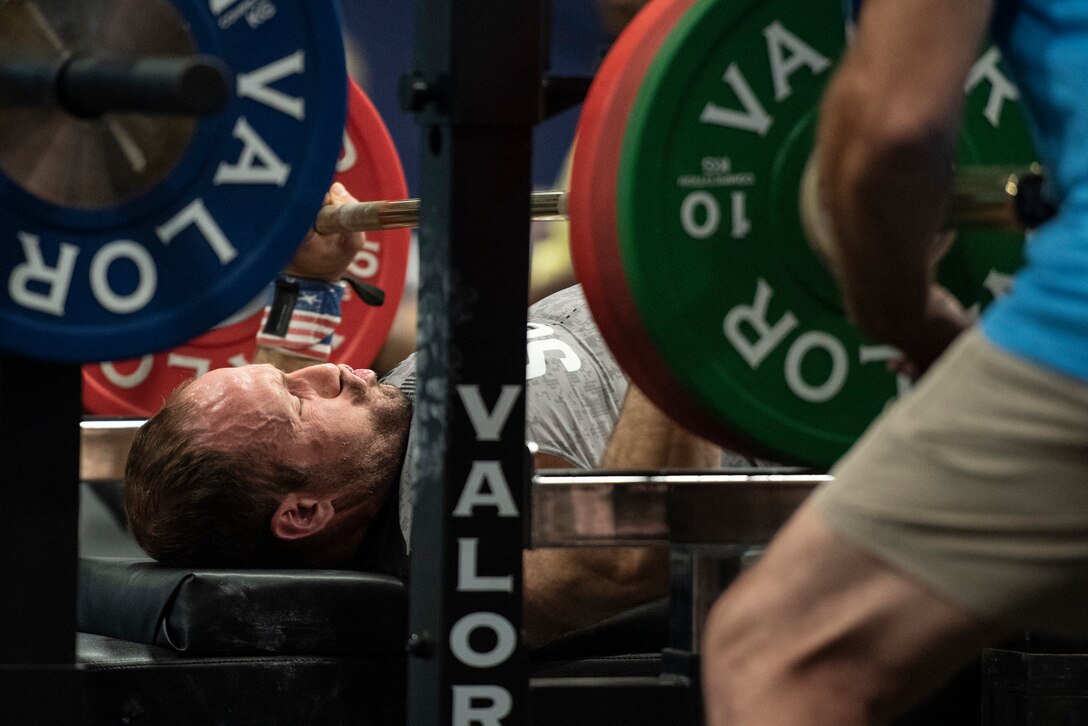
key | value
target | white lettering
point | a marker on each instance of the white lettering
(496, 495)
(699, 204)
(195, 213)
(488, 425)
(716, 165)
(138, 376)
(366, 262)
(536, 353)
(835, 379)
(348, 155)
(255, 85)
(756, 316)
(506, 640)
(468, 580)
(260, 13)
(145, 269)
(741, 224)
(883, 354)
(255, 12)
(782, 67)
(257, 164)
(218, 6)
(754, 118)
(499, 705)
(57, 279)
(538, 330)
(1001, 88)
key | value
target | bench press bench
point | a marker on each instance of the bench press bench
(165, 646)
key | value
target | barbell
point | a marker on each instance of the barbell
(983, 198)
(375, 216)
(86, 86)
(683, 206)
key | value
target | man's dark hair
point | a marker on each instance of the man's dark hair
(191, 505)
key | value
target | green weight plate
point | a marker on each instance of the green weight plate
(731, 296)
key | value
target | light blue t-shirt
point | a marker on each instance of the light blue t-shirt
(1045, 317)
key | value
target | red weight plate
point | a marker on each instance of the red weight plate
(593, 223)
(370, 168)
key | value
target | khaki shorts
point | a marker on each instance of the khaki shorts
(976, 484)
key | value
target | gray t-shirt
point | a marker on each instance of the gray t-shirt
(574, 388)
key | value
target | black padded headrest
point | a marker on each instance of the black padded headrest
(219, 612)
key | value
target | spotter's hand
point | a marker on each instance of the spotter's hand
(943, 320)
(326, 257)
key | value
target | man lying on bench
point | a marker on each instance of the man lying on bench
(300, 464)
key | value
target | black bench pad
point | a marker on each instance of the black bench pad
(237, 612)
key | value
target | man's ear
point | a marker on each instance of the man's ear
(300, 515)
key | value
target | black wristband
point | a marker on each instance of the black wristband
(284, 299)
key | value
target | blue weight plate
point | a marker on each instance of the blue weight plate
(128, 234)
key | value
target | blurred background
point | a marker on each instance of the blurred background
(380, 38)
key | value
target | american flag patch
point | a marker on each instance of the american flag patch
(313, 321)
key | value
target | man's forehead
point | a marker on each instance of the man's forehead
(245, 401)
(251, 382)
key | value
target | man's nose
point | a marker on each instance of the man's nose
(329, 376)
(323, 378)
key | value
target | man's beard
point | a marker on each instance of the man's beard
(397, 411)
(380, 466)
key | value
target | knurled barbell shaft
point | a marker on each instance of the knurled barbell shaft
(984, 197)
(87, 85)
(402, 213)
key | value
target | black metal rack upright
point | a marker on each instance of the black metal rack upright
(477, 90)
(39, 503)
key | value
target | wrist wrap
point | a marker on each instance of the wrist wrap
(301, 316)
